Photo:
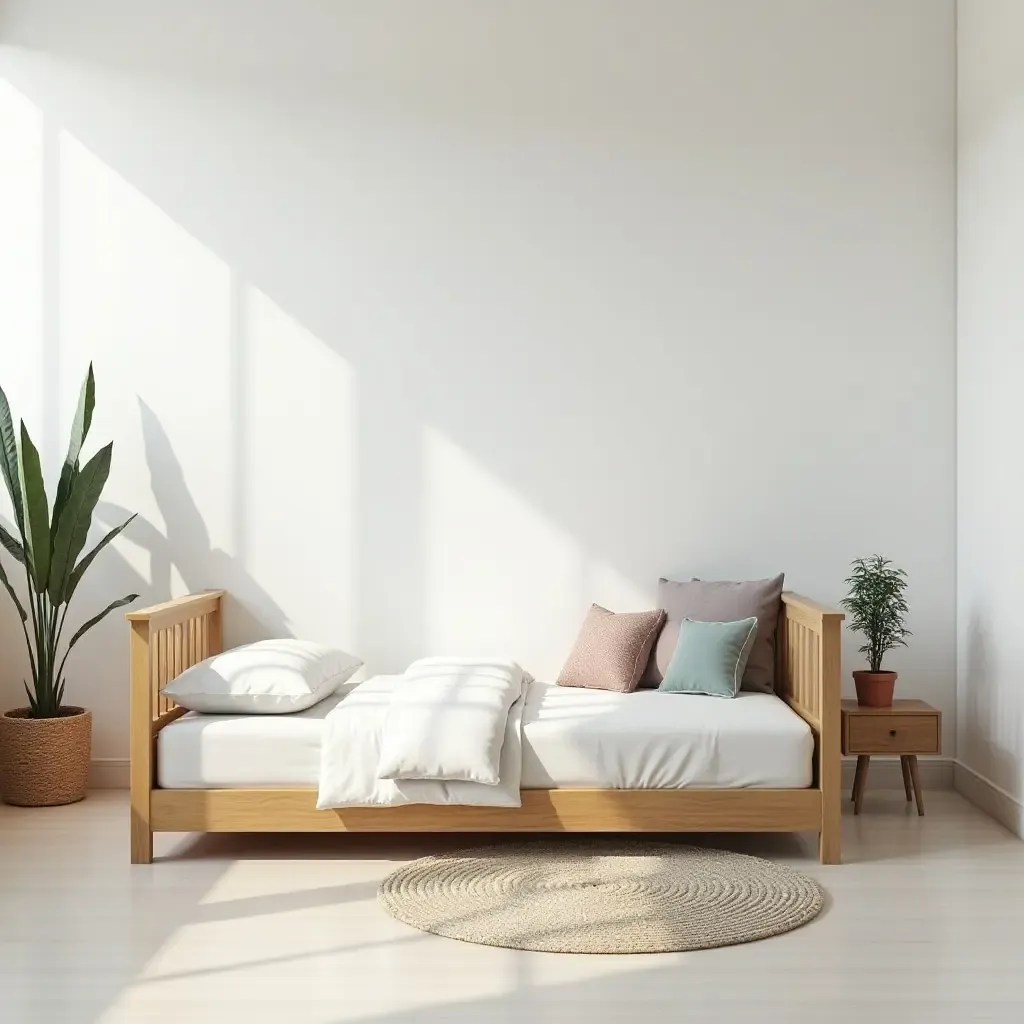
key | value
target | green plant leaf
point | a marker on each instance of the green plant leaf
(9, 459)
(14, 597)
(37, 513)
(68, 475)
(83, 416)
(119, 603)
(73, 528)
(79, 431)
(83, 565)
(12, 545)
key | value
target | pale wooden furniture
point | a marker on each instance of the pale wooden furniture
(170, 637)
(908, 728)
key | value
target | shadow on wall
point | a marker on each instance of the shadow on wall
(14, 664)
(185, 549)
(544, 303)
(250, 613)
(577, 328)
(988, 734)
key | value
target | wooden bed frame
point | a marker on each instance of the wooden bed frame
(168, 638)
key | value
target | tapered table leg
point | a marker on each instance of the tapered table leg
(916, 779)
(907, 783)
(859, 781)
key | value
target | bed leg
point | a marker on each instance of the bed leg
(140, 744)
(142, 841)
(830, 837)
(830, 767)
(829, 846)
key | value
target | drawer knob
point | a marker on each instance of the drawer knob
(892, 732)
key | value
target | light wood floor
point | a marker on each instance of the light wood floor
(925, 923)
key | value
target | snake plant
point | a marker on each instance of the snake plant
(49, 546)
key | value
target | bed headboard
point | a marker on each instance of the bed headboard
(165, 640)
(169, 638)
(807, 656)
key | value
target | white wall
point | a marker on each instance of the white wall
(421, 326)
(990, 691)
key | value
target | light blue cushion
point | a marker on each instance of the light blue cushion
(710, 657)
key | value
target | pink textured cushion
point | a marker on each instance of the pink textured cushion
(612, 649)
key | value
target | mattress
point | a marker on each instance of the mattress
(653, 740)
(571, 738)
(242, 751)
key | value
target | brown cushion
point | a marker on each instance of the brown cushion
(612, 649)
(721, 601)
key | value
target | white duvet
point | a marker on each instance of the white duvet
(447, 731)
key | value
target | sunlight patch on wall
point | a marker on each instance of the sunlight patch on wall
(605, 585)
(499, 576)
(151, 306)
(298, 416)
(21, 318)
(21, 255)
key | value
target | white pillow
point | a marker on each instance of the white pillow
(271, 677)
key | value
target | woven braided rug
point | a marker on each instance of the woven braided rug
(600, 897)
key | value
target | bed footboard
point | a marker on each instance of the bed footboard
(165, 640)
(808, 678)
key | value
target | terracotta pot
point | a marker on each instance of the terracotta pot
(874, 689)
(44, 761)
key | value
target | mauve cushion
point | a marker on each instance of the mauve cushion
(612, 649)
(720, 601)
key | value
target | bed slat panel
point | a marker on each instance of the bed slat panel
(175, 647)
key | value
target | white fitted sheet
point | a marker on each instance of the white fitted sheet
(654, 740)
(243, 751)
(571, 737)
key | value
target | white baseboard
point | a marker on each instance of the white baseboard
(992, 799)
(886, 773)
(108, 773)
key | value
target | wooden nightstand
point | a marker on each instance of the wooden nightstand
(908, 728)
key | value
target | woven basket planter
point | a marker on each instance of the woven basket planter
(45, 761)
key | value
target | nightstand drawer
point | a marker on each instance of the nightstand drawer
(893, 734)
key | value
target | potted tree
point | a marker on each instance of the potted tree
(877, 609)
(45, 747)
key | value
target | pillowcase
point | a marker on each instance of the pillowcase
(722, 601)
(271, 677)
(612, 649)
(710, 657)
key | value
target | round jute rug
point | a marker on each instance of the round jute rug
(600, 897)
